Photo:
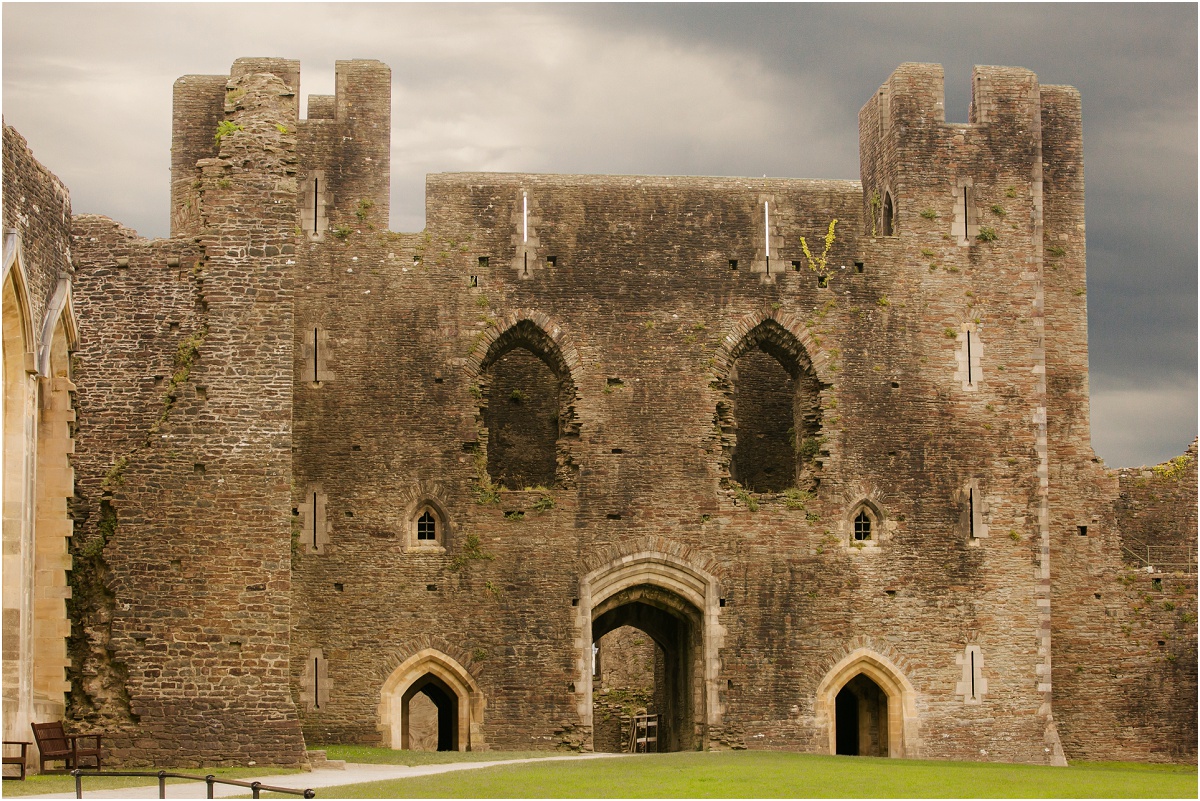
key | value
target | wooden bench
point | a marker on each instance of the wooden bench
(55, 745)
(19, 761)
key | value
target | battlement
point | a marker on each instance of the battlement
(343, 146)
(909, 153)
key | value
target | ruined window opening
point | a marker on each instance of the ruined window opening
(823, 281)
(733, 264)
(525, 394)
(472, 281)
(426, 527)
(483, 261)
(858, 266)
(773, 410)
(862, 526)
(888, 215)
(1156, 584)
(551, 261)
(796, 266)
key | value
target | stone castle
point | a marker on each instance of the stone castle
(805, 463)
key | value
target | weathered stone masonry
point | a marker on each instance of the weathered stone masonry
(832, 470)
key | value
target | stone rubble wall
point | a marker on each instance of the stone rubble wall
(186, 477)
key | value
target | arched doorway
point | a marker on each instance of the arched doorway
(861, 718)
(672, 605)
(868, 707)
(433, 724)
(430, 702)
(673, 624)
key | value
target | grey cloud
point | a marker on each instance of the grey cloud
(677, 89)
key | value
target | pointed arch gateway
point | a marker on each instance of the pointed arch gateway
(867, 707)
(448, 686)
(676, 604)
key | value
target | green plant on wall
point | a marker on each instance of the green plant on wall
(364, 208)
(471, 552)
(876, 203)
(818, 264)
(225, 128)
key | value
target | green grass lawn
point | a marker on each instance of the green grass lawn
(762, 774)
(56, 783)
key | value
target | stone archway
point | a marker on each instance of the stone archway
(869, 688)
(451, 689)
(676, 605)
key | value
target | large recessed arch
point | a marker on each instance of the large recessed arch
(677, 604)
(901, 733)
(448, 684)
(771, 379)
(524, 372)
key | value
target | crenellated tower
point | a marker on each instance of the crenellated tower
(343, 147)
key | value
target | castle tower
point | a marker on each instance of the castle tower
(344, 146)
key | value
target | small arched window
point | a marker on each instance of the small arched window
(889, 215)
(427, 528)
(863, 526)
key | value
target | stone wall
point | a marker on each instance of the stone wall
(183, 554)
(801, 433)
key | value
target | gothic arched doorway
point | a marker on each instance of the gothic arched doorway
(430, 702)
(653, 609)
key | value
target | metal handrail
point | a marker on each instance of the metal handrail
(1167, 556)
(162, 775)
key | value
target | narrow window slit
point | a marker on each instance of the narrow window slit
(971, 521)
(316, 345)
(314, 521)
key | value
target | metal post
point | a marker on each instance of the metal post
(210, 779)
(78, 782)
(162, 784)
(254, 789)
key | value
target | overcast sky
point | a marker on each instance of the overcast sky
(673, 90)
